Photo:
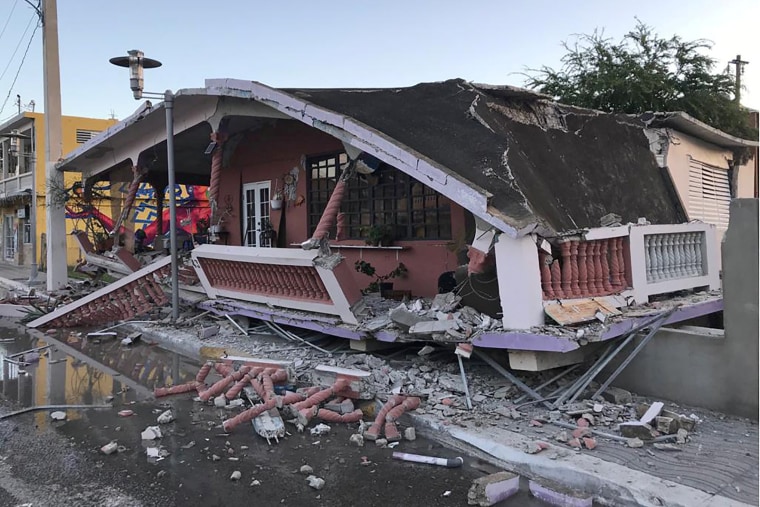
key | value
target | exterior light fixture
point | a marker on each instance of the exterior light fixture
(135, 62)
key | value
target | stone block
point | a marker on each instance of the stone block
(636, 429)
(492, 489)
(432, 326)
(617, 396)
(666, 425)
(404, 318)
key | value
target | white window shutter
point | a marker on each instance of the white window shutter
(709, 194)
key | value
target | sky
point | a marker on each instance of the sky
(337, 43)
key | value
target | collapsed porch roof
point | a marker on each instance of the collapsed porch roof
(513, 158)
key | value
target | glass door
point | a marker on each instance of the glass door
(9, 237)
(256, 215)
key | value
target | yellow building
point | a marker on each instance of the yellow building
(22, 182)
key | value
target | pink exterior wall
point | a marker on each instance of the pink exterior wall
(270, 152)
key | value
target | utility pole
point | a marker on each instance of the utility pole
(57, 275)
(739, 68)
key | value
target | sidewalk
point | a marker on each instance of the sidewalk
(717, 467)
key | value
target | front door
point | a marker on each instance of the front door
(9, 237)
(258, 228)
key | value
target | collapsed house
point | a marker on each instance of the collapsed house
(448, 211)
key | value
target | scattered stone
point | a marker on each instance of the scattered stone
(598, 408)
(236, 475)
(575, 443)
(166, 417)
(635, 443)
(666, 425)
(617, 396)
(666, 447)
(589, 442)
(427, 349)
(220, 401)
(110, 448)
(152, 452)
(636, 429)
(502, 392)
(151, 433)
(562, 436)
(189, 445)
(357, 440)
(306, 470)
(589, 418)
(404, 318)
(581, 432)
(535, 424)
(381, 442)
(583, 422)
(255, 483)
(214, 457)
(410, 434)
(316, 482)
(492, 489)
(681, 435)
(58, 415)
(535, 447)
(125, 413)
(320, 429)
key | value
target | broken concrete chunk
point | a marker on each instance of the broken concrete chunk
(635, 443)
(320, 429)
(410, 434)
(58, 415)
(316, 482)
(666, 425)
(445, 302)
(666, 447)
(220, 401)
(617, 396)
(492, 489)
(681, 435)
(432, 326)
(636, 429)
(357, 440)
(556, 494)
(166, 417)
(151, 433)
(208, 332)
(451, 382)
(404, 318)
(109, 448)
(236, 475)
(306, 470)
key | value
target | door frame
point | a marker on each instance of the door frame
(261, 208)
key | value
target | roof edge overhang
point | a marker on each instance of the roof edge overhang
(684, 122)
(363, 137)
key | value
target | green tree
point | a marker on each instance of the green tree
(644, 72)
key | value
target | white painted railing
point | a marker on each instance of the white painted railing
(669, 258)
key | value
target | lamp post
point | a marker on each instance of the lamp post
(135, 61)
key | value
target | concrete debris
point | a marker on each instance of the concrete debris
(306, 470)
(635, 442)
(125, 413)
(165, 417)
(151, 433)
(58, 415)
(535, 447)
(381, 442)
(666, 447)
(652, 412)
(110, 447)
(220, 401)
(492, 489)
(356, 439)
(410, 434)
(315, 482)
(131, 339)
(236, 475)
(636, 429)
(681, 435)
(617, 396)
(320, 429)
(427, 349)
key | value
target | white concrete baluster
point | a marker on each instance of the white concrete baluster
(660, 264)
(691, 254)
(680, 255)
(698, 247)
(649, 257)
(667, 254)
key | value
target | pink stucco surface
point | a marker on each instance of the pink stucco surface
(270, 152)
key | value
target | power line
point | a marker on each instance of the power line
(23, 59)
(9, 19)
(17, 46)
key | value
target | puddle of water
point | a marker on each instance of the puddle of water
(38, 370)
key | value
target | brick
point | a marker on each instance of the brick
(492, 489)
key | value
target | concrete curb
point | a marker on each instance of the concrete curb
(608, 482)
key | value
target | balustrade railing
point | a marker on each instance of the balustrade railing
(675, 255)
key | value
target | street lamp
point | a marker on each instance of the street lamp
(15, 151)
(135, 61)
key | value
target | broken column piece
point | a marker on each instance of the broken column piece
(330, 416)
(248, 415)
(374, 431)
(204, 371)
(221, 385)
(159, 392)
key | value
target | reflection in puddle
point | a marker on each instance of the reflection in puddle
(38, 370)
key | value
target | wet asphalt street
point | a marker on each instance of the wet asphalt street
(46, 463)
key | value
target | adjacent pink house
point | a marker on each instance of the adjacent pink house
(523, 207)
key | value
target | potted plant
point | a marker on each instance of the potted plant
(201, 226)
(378, 235)
(380, 282)
(276, 201)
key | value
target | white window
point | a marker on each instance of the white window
(709, 194)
